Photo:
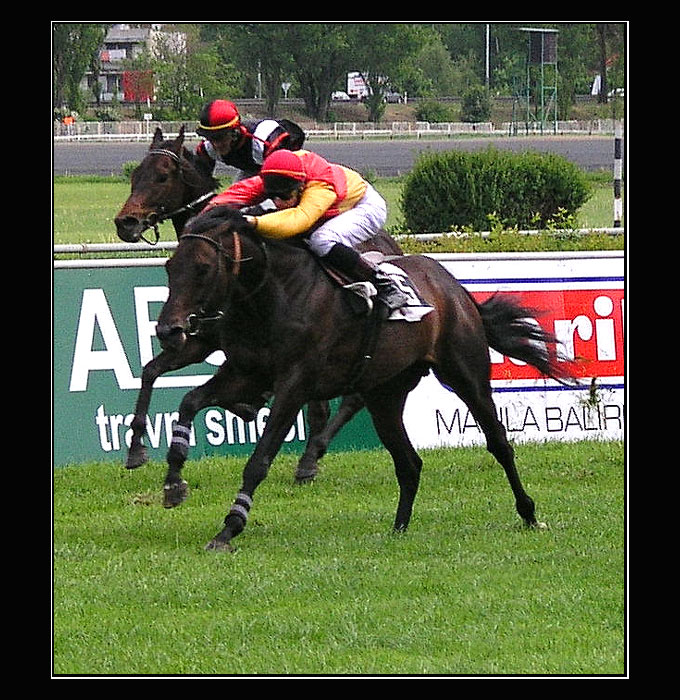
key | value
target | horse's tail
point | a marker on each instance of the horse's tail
(512, 330)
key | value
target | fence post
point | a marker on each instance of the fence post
(618, 169)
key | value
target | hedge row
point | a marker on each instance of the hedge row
(454, 191)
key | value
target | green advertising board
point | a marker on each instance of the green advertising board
(103, 335)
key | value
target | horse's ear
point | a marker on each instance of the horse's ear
(157, 137)
(179, 141)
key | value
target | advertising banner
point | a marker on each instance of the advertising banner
(104, 334)
(580, 298)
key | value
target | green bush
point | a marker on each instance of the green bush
(128, 167)
(435, 112)
(455, 191)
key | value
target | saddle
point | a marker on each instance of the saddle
(363, 294)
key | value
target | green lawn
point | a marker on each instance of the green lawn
(320, 585)
(84, 208)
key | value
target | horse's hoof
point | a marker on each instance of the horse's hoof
(537, 525)
(216, 545)
(175, 494)
(136, 458)
(306, 473)
(305, 477)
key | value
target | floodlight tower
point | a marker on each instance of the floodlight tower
(541, 78)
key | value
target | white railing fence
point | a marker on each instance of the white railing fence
(144, 130)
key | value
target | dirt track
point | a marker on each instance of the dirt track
(384, 158)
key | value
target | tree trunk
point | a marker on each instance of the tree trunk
(602, 44)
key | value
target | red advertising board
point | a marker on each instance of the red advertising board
(578, 297)
(587, 322)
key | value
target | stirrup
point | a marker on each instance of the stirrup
(390, 294)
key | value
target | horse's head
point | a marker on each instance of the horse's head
(201, 273)
(160, 186)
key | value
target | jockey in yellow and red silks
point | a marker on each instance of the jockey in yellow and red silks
(332, 206)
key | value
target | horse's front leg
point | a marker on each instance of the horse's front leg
(164, 362)
(284, 410)
(224, 390)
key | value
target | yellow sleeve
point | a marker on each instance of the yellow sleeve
(317, 198)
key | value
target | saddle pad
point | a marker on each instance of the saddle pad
(416, 306)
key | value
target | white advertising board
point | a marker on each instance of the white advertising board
(581, 297)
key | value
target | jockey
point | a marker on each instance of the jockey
(332, 205)
(242, 145)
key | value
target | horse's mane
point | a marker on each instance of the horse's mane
(223, 218)
(193, 174)
(220, 217)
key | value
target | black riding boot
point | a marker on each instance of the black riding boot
(349, 261)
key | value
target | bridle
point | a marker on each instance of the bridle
(195, 321)
(159, 218)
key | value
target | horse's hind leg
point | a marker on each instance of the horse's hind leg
(322, 431)
(474, 389)
(318, 414)
(386, 409)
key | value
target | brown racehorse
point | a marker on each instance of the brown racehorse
(289, 330)
(168, 185)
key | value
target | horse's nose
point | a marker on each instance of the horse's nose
(170, 336)
(129, 228)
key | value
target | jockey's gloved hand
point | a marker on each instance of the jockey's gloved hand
(259, 209)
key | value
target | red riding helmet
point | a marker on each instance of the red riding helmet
(284, 163)
(217, 116)
(282, 172)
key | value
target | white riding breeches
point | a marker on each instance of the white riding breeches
(352, 227)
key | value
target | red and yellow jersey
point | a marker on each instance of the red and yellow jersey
(328, 190)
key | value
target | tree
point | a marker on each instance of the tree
(75, 47)
(436, 73)
(321, 53)
(318, 55)
(380, 53)
(260, 50)
(476, 105)
(187, 72)
(610, 43)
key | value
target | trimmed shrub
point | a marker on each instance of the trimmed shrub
(454, 191)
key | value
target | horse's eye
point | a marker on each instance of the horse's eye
(162, 178)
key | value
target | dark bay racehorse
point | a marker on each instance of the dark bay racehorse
(168, 185)
(289, 330)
